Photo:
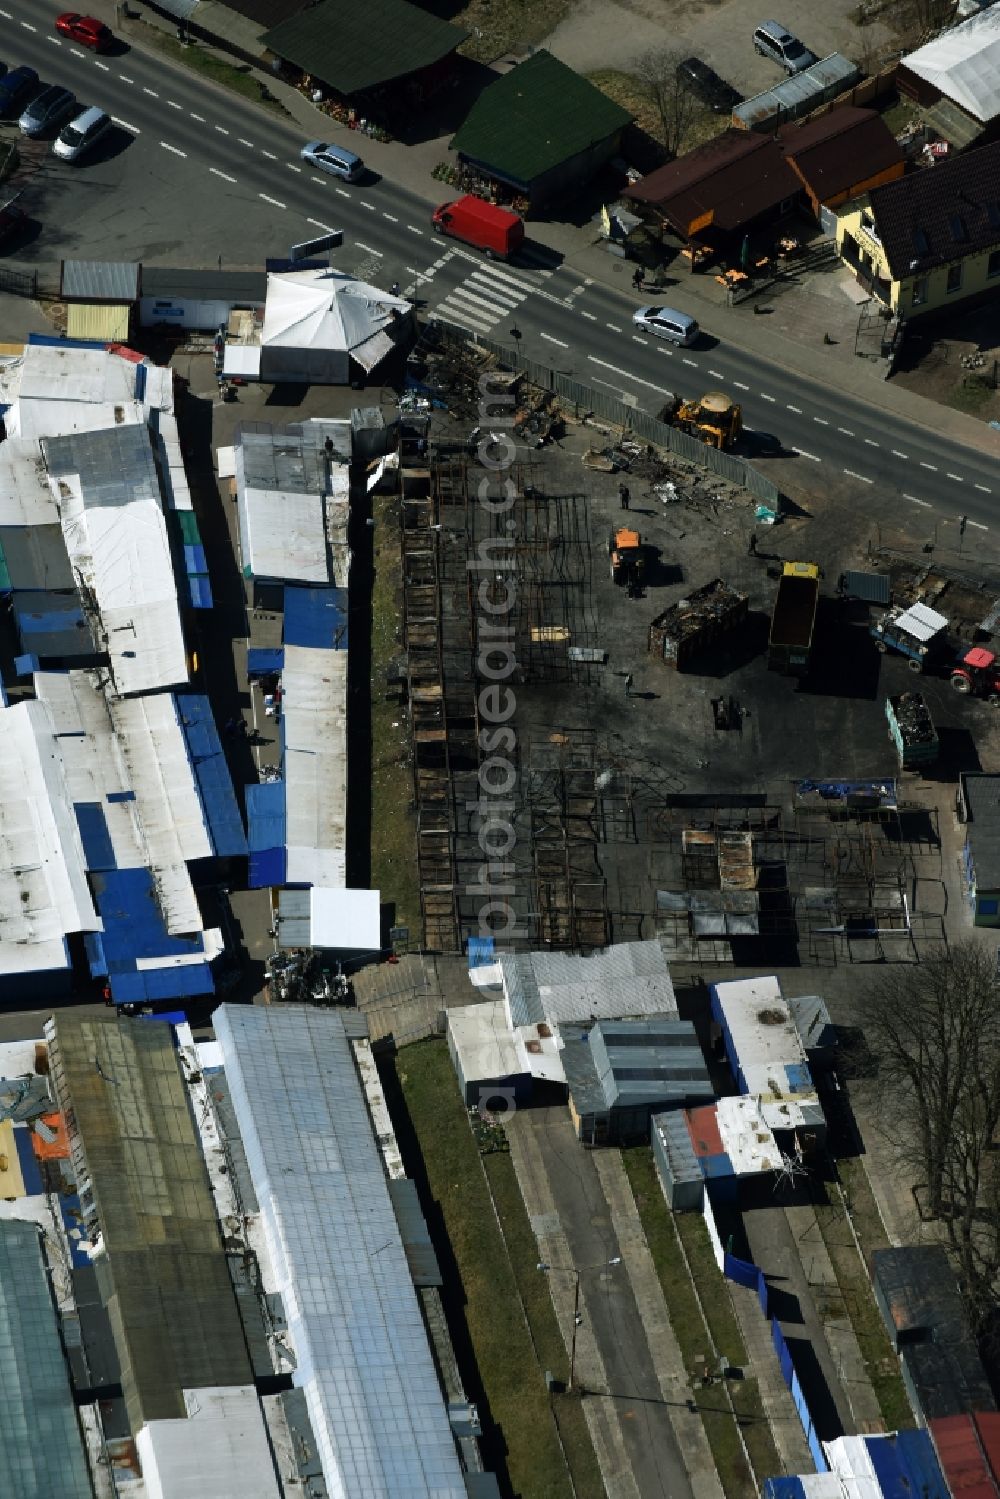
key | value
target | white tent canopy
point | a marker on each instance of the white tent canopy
(317, 321)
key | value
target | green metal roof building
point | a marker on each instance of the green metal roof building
(541, 129)
(163, 1277)
(355, 48)
(41, 1446)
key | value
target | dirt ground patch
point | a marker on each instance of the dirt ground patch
(941, 361)
(499, 27)
(599, 34)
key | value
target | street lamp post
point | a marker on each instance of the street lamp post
(577, 1318)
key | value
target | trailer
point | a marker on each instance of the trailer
(919, 633)
(793, 620)
(694, 622)
(912, 730)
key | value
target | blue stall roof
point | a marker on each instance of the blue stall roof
(94, 835)
(215, 786)
(267, 867)
(316, 617)
(906, 1465)
(200, 589)
(52, 624)
(263, 661)
(134, 929)
(266, 816)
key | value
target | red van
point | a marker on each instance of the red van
(493, 230)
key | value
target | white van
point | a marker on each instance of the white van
(668, 323)
(775, 41)
(81, 133)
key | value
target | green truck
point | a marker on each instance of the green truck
(912, 730)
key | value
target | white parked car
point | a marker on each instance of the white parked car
(667, 322)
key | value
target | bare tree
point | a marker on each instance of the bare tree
(935, 1031)
(665, 90)
(916, 21)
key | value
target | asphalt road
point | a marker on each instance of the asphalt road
(196, 176)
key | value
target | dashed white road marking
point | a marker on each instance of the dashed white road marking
(716, 375)
(811, 456)
(549, 339)
(390, 216)
(53, 39)
(871, 443)
(821, 421)
(241, 140)
(633, 379)
(368, 249)
(846, 431)
(978, 525)
(590, 316)
(765, 397)
(637, 339)
(983, 490)
(414, 230)
(957, 478)
(150, 91)
(28, 27)
(269, 154)
(370, 206)
(343, 193)
(6, 15)
(314, 178)
(796, 409)
(614, 328)
(863, 477)
(931, 466)
(199, 118)
(224, 175)
(172, 104)
(105, 69)
(221, 129)
(168, 147)
(692, 362)
(897, 454)
(125, 125)
(125, 79)
(325, 227)
(740, 386)
(912, 497)
(275, 202)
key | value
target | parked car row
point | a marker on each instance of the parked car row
(42, 110)
(770, 39)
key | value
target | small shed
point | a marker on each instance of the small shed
(979, 809)
(798, 95)
(100, 297)
(198, 299)
(677, 1165)
(620, 1072)
(921, 1304)
(491, 1070)
(541, 129)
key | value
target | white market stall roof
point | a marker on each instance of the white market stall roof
(324, 309)
(344, 919)
(314, 708)
(964, 64)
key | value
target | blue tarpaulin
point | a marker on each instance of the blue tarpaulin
(906, 1465)
(134, 929)
(316, 617)
(52, 624)
(481, 951)
(266, 834)
(264, 662)
(94, 835)
(200, 590)
(215, 786)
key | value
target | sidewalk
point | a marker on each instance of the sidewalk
(790, 335)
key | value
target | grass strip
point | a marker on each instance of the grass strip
(236, 77)
(689, 1329)
(535, 1292)
(519, 1403)
(394, 828)
(854, 1280)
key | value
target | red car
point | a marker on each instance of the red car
(84, 29)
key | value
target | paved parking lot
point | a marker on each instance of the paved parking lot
(613, 33)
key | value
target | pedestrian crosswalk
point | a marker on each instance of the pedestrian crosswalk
(490, 294)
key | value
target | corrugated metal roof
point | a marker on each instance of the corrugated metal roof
(97, 322)
(315, 617)
(963, 62)
(314, 725)
(41, 1451)
(414, 1233)
(963, 1450)
(294, 920)
(371, 1387)
(627, 979)
(870, 588)
(175, 1320)
(981, 792)
(798, 94)
(675, 1141)
(905, 1465)
(211, 771)
(100, 280)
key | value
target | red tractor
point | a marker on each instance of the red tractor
(977, 674)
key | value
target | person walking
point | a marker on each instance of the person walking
(752, 544)
(637, 278)
(628, 684)
(624, 496)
